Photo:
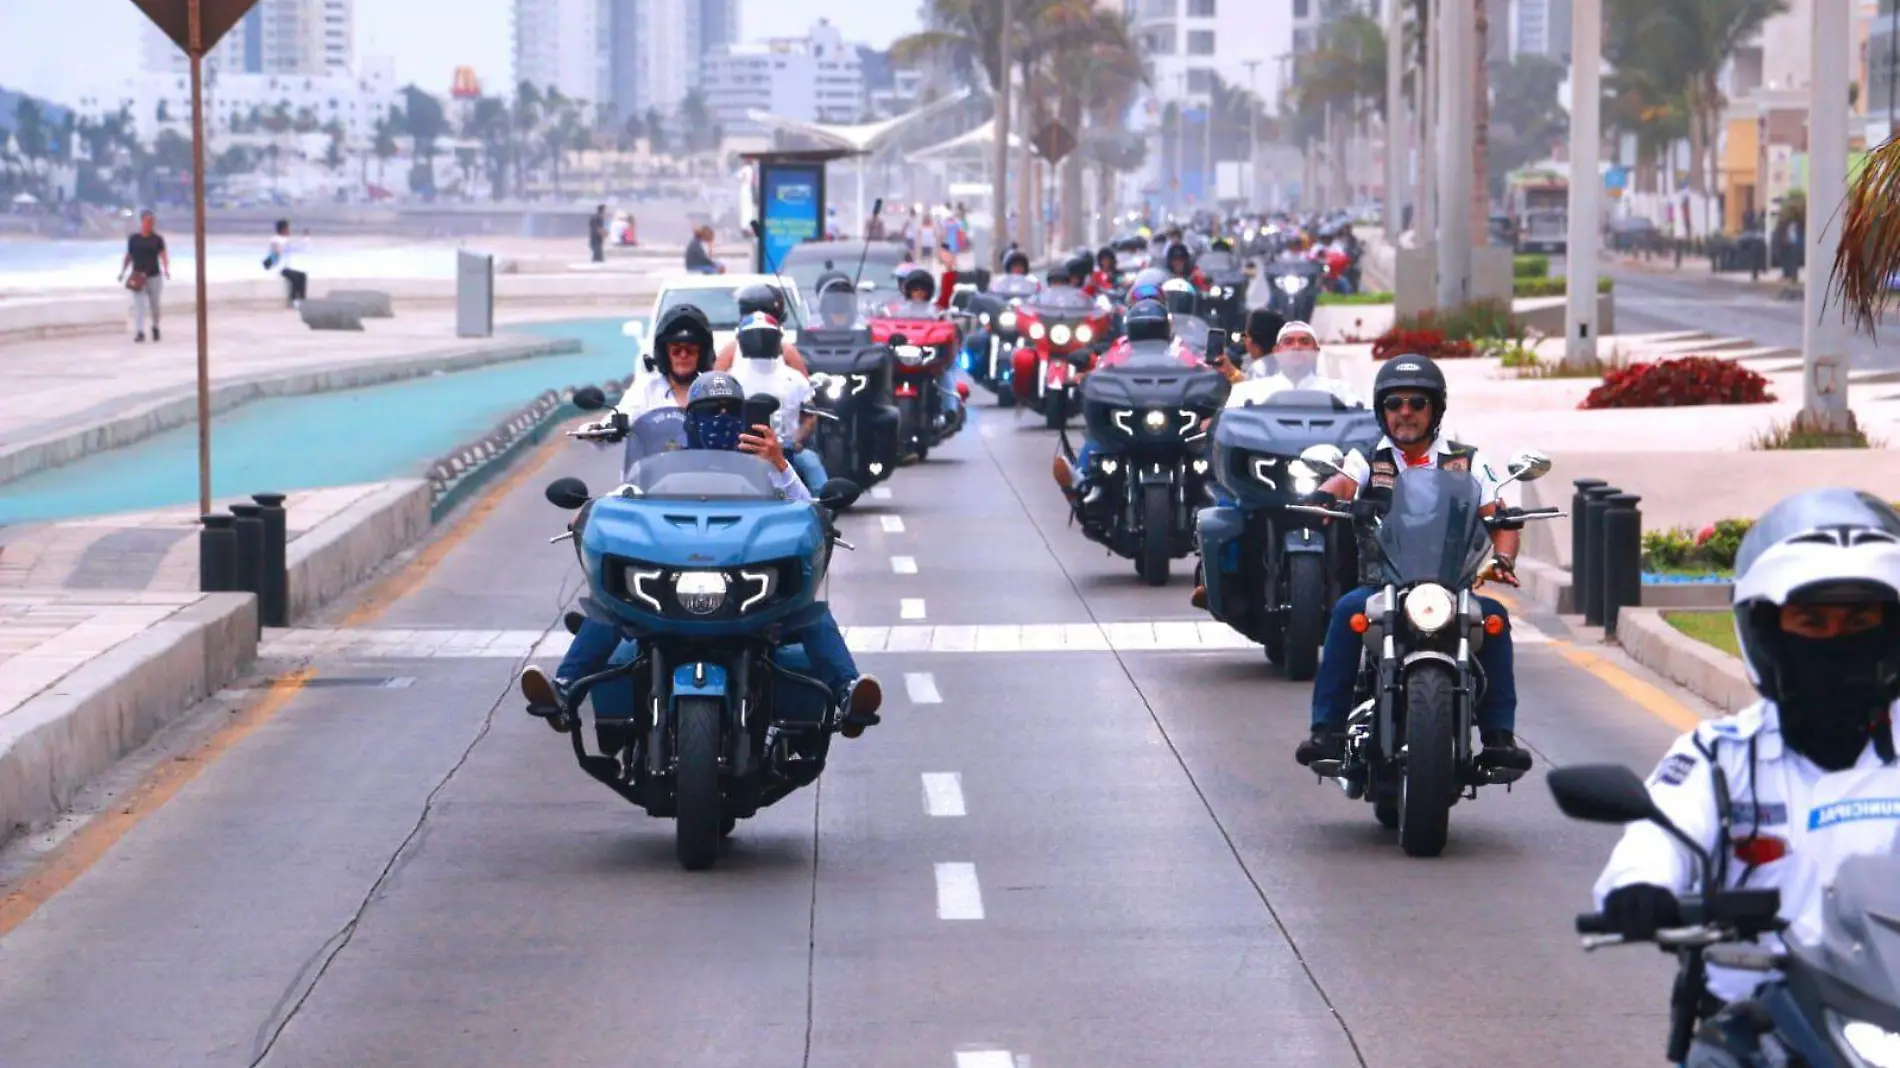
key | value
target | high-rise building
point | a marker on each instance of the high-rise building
(275, 37)
(815, 78)
(718, 24)
(1540, 28)
(563, 44)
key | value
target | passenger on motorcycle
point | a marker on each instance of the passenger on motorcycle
(1148, 321)
(1106, 276)
(763, 370)
(1296, 350)
(714, 421)
(919, 287)
(1016, 262)
(1409, 395)
(1782, 791)
(761, 298)
(1181, 265)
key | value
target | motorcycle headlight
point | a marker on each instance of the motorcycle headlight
(1036, 331)
(1154, 422)
(1290, 284)
(1120, 418)
(984, 318)
(1875, 1047)
(701, 592)
(1060, 333)
(909, 353)
(1006, 321)
(1084, 334)
(1216, 292)
(1429, 607)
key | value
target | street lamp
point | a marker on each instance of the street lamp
(1253, 130)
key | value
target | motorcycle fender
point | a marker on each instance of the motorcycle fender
(1449, 661)
(1305, 540)
(699, 679)
(1155, 475)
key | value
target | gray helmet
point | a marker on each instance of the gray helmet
(712, 388)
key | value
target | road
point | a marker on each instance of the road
(1084, 858)
(1655, 301)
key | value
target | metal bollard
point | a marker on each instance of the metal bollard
(1591, 590)
(249, 521)
(1622, 556)
(273, 599)
(1577, 559)
(217, 554)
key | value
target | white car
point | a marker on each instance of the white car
(716, 295)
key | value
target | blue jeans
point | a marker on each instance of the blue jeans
(947, 389)
(831, 661)
(810, 468)
(1339, 666)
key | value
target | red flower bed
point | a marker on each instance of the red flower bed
(1420, 341)
(1677, 383)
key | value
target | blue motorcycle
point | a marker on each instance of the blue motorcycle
(705, 714)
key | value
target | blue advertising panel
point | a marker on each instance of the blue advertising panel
(791, 208)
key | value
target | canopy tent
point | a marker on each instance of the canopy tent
(968, 147)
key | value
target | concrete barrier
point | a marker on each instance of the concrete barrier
(54, 744)
(1546, 315)
(349, 547)
(1703, 670)
(326, 314)
(371, 303)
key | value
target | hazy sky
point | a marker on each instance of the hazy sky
(58, 49)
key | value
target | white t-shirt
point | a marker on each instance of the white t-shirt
(774, 378)
(1359, 468)
(926, 236)
(1253, 390)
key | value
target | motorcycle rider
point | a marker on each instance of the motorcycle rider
(1106, 274)
(918, 288)
(762, 370)
(1784, 789)
(1147, 321)
(1181, 265)
(1016, 262)
(1409, 395)
(714, 421)
(655, 404)
(1296, 350)
(751, 299)
(837, 303)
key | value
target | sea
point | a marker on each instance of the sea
(28, 265)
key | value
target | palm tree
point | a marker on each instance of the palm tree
(698, 120)
(970, 37)
(1344, 77)
(1869, 254)
(384, 144)
(1094, 71)
(29, 135)
(426, 123)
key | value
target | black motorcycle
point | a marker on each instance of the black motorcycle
(1836, 1003)
(1149, 471)
(1224, 302)
(1293, 288)
(1408, 739)
(1271, 573)
(852, 392)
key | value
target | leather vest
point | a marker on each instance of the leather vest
(1385, 465)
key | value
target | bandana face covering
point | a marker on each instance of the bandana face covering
(714, 430)
(1833, 692)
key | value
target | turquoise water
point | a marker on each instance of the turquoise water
(327, 439)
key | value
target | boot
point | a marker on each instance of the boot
(1502, 751)
(546, 699)
(1325, 744)
(862, 698)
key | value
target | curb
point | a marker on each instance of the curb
(60, 740)
(329, 559)
(1709, 673)
(142, 420)
(466, 469)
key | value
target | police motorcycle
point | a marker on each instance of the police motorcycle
(1836, 1000)
(1408, 739)
(1148, 470)
(1273, 573)
(700, 559)
(853, 389)
(990, 345)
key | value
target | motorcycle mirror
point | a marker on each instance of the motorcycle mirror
(1529, 466)
(1325, 460)
(568, 493)
(590, 399)
(1603, 793)
(877, 207)
(838, 493)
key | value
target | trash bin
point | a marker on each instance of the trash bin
(474, 294)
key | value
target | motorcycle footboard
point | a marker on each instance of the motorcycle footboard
(1215, 529)
(801, 703)
(605, 768)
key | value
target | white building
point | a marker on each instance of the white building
(275, 37)
(563, 44)
(634, 54)
(1187, 42)
(816, 78)
(160, 101)
(1540, 28)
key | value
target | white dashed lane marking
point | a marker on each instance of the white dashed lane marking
(892, 524)
(989, 1058)
(880, 493)
(959, 896)
(909, 608)
(943, 793)
(921, 687)
(904, 565)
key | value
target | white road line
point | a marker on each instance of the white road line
(904, 565)
(959, 897)
(943, 793)
(922, 688)
(911, 608)
(892, 524)
(880, 493)
(985, 1058)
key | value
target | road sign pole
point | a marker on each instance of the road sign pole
(197, 53)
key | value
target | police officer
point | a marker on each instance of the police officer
(1783, 790)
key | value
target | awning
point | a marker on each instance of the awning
(857, 137)
(971, 147)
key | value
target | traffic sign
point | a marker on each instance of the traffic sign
(1054, 141)
(215, 19)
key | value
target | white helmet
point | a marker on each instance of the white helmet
(1821, 547)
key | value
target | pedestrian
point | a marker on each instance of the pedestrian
(927, 240)
(282, 248)
(699, 256)
(597, 234)
(146, 267)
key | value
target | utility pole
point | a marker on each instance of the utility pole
(1586, 188)
(1824, 335)
(1001, 228)
(1253, 131)
(1455, 35)
(1425, 212)
(1395, 125)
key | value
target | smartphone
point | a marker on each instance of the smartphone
(1216, 347)
(759, 410)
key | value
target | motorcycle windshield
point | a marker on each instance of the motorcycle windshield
(1432, 532)
(1222, 262)
(1065, 302)
(1191, 330)
(910, 309)
(1015, 285)
(837, 310)
(700, 475)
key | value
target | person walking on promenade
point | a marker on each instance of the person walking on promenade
(144, 270)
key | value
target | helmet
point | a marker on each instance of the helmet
(837, 300)
(683, 322)
(1141, 291)
(1178, 251)
(759, 297)
(1106, 252)
(1079, 267)
(760, 338)
(1823, 547)
(919, 279)
(830, 279)
(1410, 372)
(1150, 276)
(1148, 320)
(1059, 275)
(1016, 258)
(1180, 296)
(714, 412)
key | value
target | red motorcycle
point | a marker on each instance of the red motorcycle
(926, 344)
(1063, 333)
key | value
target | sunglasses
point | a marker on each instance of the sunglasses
(1408, 404)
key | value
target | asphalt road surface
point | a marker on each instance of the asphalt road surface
(1651, 302)
(1090, 858)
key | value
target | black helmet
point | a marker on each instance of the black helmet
(1180, 295)
(1059, 275)
(1016, 258)
(1079, 267)
(919, 279)
(1178, 251)
(683, 322)
(1107, 252)
(759, 297)
(1148, 320)
(760, 337)
(831, 279)
(1413, 373)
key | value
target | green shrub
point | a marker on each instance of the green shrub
(1553, 287)
(1531, 265)
(1354, 298)
(1479, 320)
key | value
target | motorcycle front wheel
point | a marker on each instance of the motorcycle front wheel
(1430, 779)
(1157, 523)
(698, 817)
(1306, 622)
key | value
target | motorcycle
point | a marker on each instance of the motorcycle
(1273, 574)
(1293, 288)
(1224, 301)
(1408, 738)
(1065, 332)
(853, 391)
(1836, 1002)
(1150, 465)
(994, 335)
(707, 719)
(925, 345)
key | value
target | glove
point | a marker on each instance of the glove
(1365, 509)
(1639, 911)
(1499, 570)
(1318, 499)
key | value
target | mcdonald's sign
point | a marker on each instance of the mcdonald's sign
(465, 86)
